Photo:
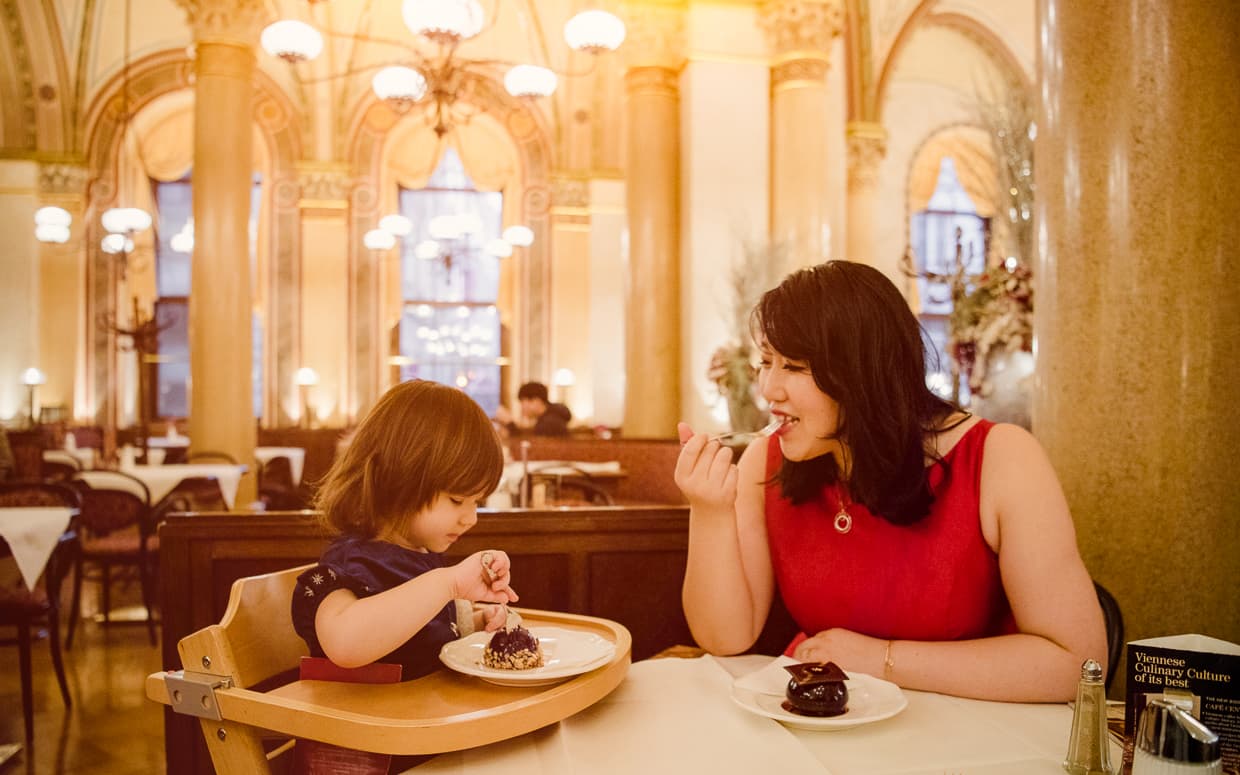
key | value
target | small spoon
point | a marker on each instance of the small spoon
(762, 433)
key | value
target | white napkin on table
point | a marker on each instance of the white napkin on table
(771, 679)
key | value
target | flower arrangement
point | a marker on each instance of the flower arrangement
(997, 313)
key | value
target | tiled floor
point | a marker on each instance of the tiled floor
(111, 729)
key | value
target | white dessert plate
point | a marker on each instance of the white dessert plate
(870, 699)
(566, 653)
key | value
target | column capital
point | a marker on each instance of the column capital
(655, 35)
(226, 21)
(62, 179)
(796, 29)
(867, 145)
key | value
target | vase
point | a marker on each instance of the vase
(1007, 388)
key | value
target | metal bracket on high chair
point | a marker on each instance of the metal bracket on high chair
(193, 694)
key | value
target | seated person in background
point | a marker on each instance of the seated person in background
(538, 415)
(404, 490)
(907, 538)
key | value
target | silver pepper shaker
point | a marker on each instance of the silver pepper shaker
(1169, 741)
(1089, 750)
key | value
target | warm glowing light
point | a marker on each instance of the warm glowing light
(52, 216)
(426, 249)
(126, 220)
(33, 376)
(291, 40)
(594, 32)
(397, 224)
(50, 232)
(116, 243)
(443, 21)
(498, 248)
(400, 85)
(529, 81)
(305, 376)
(520, 236)
(564, 378)
(378, 239)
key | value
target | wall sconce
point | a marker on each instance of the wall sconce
(306, 378)
(32, 378)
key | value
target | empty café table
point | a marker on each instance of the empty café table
(161, 479)
(32, 533)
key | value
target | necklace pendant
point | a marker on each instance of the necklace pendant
(843, 522)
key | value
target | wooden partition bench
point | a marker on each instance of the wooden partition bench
(620, 563)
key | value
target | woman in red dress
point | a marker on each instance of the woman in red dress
(908, 539)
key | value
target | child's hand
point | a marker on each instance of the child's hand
(493, 617)
(484, 576)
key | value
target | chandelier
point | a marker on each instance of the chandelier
(438, 78)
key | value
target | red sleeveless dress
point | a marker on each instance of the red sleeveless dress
(934, 580)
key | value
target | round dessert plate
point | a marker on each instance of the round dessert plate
(566, 653)
(869, 699)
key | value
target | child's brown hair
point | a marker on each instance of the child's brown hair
(421, 439)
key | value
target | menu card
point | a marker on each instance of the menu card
(1200, 672)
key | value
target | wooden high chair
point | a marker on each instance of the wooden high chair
(445, 711)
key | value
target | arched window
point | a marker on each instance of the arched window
(174, 248)
(449, 326)
(948, 240)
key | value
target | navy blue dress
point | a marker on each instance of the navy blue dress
(367, 567)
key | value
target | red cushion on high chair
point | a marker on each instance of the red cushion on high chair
(311, 757)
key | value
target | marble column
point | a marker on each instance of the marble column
(800, 33)
(1137, 322)
(221, 303)
(654, 59)
(867, 145)
(62, 289)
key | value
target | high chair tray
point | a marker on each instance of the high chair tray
(444, 711)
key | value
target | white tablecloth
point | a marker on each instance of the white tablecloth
(676, 716)
(32, 534)
(82, 457)
(296, 458)
(161, 479)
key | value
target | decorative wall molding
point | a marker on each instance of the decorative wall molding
(652, 80)
(22, 79)
(570, 192)
(324, 185)
(63, 179)
(867, 146)
(799, 71)
(793, 26)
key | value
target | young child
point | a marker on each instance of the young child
(403, 491)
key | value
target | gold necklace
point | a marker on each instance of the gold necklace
(843, 520)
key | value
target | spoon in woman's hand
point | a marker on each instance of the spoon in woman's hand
(762, 433)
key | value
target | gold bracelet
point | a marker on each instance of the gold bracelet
(888, 663)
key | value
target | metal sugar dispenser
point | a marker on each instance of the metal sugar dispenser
(1089, 751)
(1169, 741)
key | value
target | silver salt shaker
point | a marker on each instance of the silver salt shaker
(1089, 750)
(1169, 741)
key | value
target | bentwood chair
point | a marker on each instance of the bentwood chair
(1115, 630)
(193, 493)
(28, 608)
(210, 456)
(116, 531)
(276, 488)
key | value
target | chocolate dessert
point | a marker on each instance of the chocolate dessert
(513, 649)
(816, 689)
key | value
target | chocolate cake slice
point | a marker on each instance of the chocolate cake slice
(513, 649)
(816, 689)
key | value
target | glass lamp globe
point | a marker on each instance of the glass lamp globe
(519, 236)
(594, 32)
(396, 224)
(52, 216)
(51, 232)
(399, 85)
(427, 249)
(529, 81)
(443, 21)
(291, 40)
(125, 220)
(378, 239)
(116, 243)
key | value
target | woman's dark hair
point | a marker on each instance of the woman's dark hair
(421, 439)
(864, 348)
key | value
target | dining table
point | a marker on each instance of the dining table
(78, 457)
(160, 479)
(681, 716)
(31, 533)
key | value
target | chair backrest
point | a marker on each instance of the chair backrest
(255, 640)
(276, 473)
(210, 456)
(58, 470)
(38, 494)
(103, 479)
(194, 493)
(108, 509)
(1115, 629)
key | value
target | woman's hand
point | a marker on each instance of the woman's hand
(484, 576)
(850, 650)
(704, 471)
